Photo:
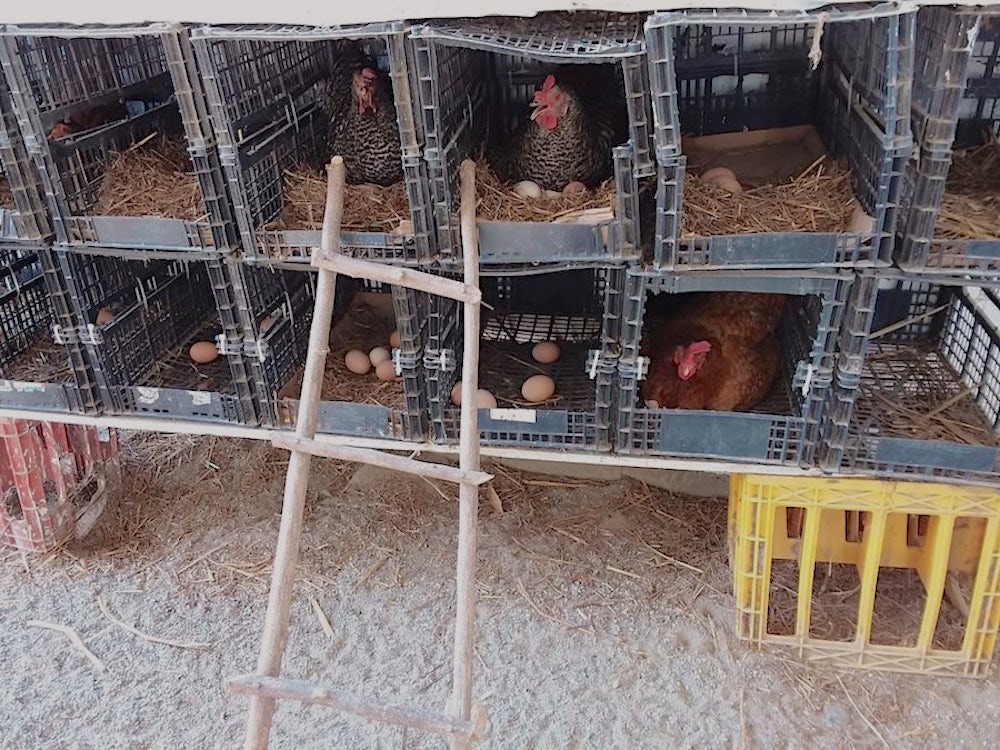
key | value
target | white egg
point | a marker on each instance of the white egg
(528, 189)
(378, 355)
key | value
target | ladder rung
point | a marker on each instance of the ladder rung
(307, 692)
(378, 458)
(425, 282)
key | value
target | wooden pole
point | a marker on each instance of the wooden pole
(468, 497)
(297, 478)
(384, 460)
(306, 692)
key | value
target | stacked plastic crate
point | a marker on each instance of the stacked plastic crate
(917, 390)
(145, 279)
(770, 97)
(270, 90)
(552, 268)
(39, 369)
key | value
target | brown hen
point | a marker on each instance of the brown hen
(719, 352)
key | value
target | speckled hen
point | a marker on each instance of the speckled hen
(561, 142)
(363, 125)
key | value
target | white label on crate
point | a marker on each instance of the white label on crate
(514, 415)
(6, 385)
(147, 395)
(200, 398)
(104, 434)
(28, 387)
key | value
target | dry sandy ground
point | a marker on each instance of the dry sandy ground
(605, 621)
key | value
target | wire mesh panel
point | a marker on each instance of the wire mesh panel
(579, 310)
(779, 428)
(951, 192)
(277, 95)
(39, 370)
(807, 109)
(479, 82)
(112, 118)
(925, 400)
(157, 337)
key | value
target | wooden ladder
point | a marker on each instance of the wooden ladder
(266, 686)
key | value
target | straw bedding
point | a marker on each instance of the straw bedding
(6, 196)
(152, 178)
(820, 199)
(970, 208)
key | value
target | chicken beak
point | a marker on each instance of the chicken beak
(536, 109)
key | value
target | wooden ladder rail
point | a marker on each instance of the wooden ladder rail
(265, 686)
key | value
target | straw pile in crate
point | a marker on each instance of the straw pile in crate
(152, 178)
(498, 202)
(363, 327)
(820, 199)
(367, 208)
(42, 362)
(970, 208)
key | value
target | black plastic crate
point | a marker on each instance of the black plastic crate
(161, 308)
(782, 429)
(926, 402)
(39, 370)
(85, 94)
(728, 72)
(266, 87)
(24, 218)
(580, 310)
(276, 307)
(956, 102)
(477, 78)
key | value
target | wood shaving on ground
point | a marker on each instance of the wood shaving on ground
(367, 208)
(821, 199)
(498, 202)
(970, 208)
(152, 178)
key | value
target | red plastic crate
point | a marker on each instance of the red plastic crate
(54, 481)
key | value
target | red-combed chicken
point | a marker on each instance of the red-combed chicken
(718, 352)
(561, 141)
(88, 118)
(363, 125)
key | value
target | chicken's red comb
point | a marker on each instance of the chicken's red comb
(699, 347)
(550, 81)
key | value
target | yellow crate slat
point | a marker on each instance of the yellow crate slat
(935, 530)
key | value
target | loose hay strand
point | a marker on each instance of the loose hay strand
(74, 638)
(103, 606)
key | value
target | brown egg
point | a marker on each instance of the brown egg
(546, 352)
(485, 399)
(104, 316)
(538, 388)
(385, 370)
(574, 188)
(378, 355)
(357, 362)
(394, 339)
(729, 184)
(204, 352)
(711, 175)
(861, 223)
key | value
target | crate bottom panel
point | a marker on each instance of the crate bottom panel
(569, 420)
(958, 257)
(177, 386)
(887, 436)
(758, 438)
(138, 233)
(296, 246)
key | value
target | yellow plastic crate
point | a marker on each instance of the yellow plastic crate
(870, 529)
